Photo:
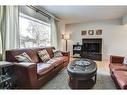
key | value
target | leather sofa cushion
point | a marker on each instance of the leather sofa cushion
(55, 61)
(121, 77)
(43, 68)
(117, 66)
(65, 58)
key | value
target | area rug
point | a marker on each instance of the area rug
(60, 81)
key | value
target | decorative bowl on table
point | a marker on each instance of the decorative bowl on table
(82, 63)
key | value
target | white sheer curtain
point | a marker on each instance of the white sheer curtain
(1, 18)
(2, 27)
(54, 33)
(12, 31)
(9, 18)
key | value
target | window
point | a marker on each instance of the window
(33, 32)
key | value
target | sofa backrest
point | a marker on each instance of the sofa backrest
(49, 50)
(32, 52)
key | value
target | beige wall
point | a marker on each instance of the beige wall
(114, 36)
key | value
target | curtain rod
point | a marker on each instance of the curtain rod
(45, 13)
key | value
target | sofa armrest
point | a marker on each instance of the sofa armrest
(25, 64)
(116, 59)
(66, 53)
(26, 74)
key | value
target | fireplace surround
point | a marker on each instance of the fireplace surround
(92, 48)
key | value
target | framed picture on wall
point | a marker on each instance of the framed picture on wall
(84, 32)
(99, 32)
(91, 32)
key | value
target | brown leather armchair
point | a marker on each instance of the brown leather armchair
(118, 71)
(36, 74)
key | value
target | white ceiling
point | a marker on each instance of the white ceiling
(78, 14)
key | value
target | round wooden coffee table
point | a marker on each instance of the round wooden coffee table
(82, 70)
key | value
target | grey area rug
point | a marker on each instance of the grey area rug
(60, 81)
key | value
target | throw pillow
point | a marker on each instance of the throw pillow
(125, 60)
(57, 53)
(24, 57)
(43, 54)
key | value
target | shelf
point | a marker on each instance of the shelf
(77, 49)
(76, 55)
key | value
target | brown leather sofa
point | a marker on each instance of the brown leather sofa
(118, 71)
(36, 74)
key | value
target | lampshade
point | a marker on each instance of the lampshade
(66, 36)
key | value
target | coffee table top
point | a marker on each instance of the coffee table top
(82, 67)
